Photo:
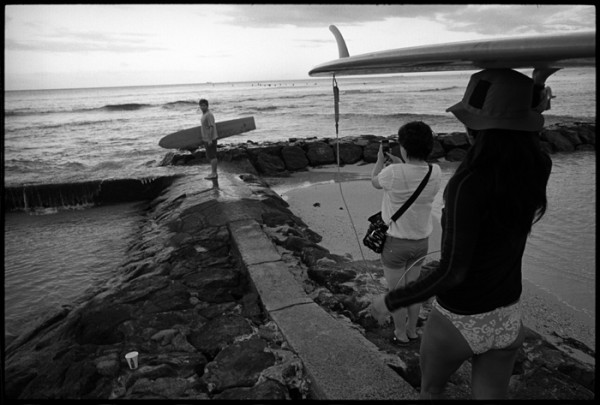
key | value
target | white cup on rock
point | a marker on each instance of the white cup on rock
(132, 360)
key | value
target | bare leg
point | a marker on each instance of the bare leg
(491, 370)
(413, 310)
(392, 276)
(443, 350)
(213, 165)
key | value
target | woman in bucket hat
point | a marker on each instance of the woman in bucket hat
(490, 204)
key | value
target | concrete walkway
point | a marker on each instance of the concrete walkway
(341, 363)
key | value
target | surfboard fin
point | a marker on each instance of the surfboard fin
(342, 49)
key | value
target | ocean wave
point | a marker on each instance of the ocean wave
(360, 91)
(110, 164)
(440, 89)
(179, 104)
(125, 107)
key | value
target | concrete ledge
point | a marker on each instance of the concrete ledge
(341, 363)
(254, 246)
(276, 286)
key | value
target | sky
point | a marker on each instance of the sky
(87, 45)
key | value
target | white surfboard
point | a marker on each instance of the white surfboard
(557, 51)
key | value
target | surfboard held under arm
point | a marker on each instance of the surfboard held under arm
(189, 139)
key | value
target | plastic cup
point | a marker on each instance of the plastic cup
(132, 360)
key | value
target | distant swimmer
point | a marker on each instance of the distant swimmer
(208, 133)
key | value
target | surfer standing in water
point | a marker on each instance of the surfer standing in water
(208, 133)
(490, 204)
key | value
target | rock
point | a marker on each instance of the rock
(437, 151)
(572, 136)
(585, 147)
(108, 367)
(168, 387)
(251, 307)
(165, 336)
(213, 310)
(218, 333)
(558, 141)
(99, 325)
(324, 275)
(587, 134)
(319, 153)
(270, 332)
(456, 155)
(370, 152)
(289, 372)
(150, 372)
(180, 344)
(349, 152)
(174, 297)
(269, 164)
(267, 390)
(238, 365)
(541, 383)
(167, 159)
(454, 140)
(547, 147)
(294, 157)
(297, 244)
(214, 284)
(311, 255)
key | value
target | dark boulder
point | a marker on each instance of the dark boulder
(454, 140)
(456, 155)
(349, 152)
(238, 365)
(370, 152)
(269, 164)
(558, 141)
(319, 153)
(294, 157)
(219, 332)
(437, 151)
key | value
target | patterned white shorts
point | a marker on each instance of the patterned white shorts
(496, 329)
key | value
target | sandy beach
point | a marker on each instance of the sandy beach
(336, 203)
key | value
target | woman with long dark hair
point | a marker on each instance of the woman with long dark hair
(490, 204)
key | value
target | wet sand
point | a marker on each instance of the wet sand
(336, 204)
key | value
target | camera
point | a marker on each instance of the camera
(385, 145)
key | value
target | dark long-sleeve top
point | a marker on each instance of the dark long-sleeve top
(480, 265)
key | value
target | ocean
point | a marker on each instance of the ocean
(77, 135)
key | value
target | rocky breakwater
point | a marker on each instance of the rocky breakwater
(281, 158)
(183, 301)
(345, 289)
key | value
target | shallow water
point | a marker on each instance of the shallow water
(51, 260)
(559, 258)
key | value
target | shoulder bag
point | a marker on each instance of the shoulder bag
(375, 237)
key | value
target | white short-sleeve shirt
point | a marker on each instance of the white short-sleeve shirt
(399, 181)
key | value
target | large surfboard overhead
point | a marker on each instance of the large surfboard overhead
(540, 51)
(189, 139)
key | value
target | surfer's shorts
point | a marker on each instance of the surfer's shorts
(496, 329)
(211, 150)
(403, 253)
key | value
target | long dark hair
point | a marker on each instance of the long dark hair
(517, 170)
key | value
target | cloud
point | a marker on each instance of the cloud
(311, 15)
(84, 41)
(512, 20)
(481, 19)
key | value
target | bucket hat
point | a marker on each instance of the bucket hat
(498, 98)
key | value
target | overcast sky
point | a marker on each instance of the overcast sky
(68, 46)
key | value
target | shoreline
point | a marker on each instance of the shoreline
(315, 197)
